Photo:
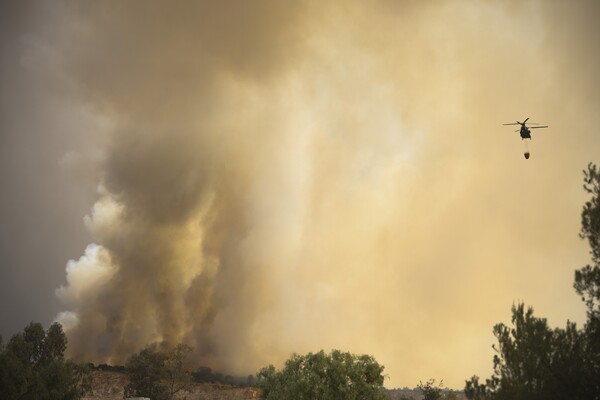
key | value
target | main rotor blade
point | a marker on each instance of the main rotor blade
(514, 123)
(536, 127)
(526, 120)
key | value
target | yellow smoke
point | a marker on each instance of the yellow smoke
(289, 177)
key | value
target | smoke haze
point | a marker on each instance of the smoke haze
(270, 178)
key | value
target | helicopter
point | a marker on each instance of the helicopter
(525, 132)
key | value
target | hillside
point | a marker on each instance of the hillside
(109, 385)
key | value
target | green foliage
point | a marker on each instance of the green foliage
(333, 376)
(55, 344)
(32, 366)
(146, 371)
(536, 362)
(533, 362)
(157, 375)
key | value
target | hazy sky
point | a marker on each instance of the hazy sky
(262, 178)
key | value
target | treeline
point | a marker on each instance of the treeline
(201, 375)
(207, 375)
(107, 367)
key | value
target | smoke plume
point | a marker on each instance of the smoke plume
(291, 176)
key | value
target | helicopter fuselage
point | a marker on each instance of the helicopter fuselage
(525, 133)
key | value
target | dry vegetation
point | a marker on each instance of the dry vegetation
(109, 385)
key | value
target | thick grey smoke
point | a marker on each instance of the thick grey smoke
(287, 177)
(192, 134)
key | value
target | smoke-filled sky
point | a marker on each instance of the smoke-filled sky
(261, 178)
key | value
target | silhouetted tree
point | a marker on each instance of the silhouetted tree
(587, 279)
(536, 362)
(333, 376)
(533, 361)
(477, 391)
(429, 390)
(55, 344)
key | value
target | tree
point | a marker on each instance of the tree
(177, 377)
(533, 362)
(522, 359)
(146, 371)
(157, 375)
(333, 376)
(477, 391)
(536, 362)
(587, 279)
(430, 391)
(32, 366)
(55, 344)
